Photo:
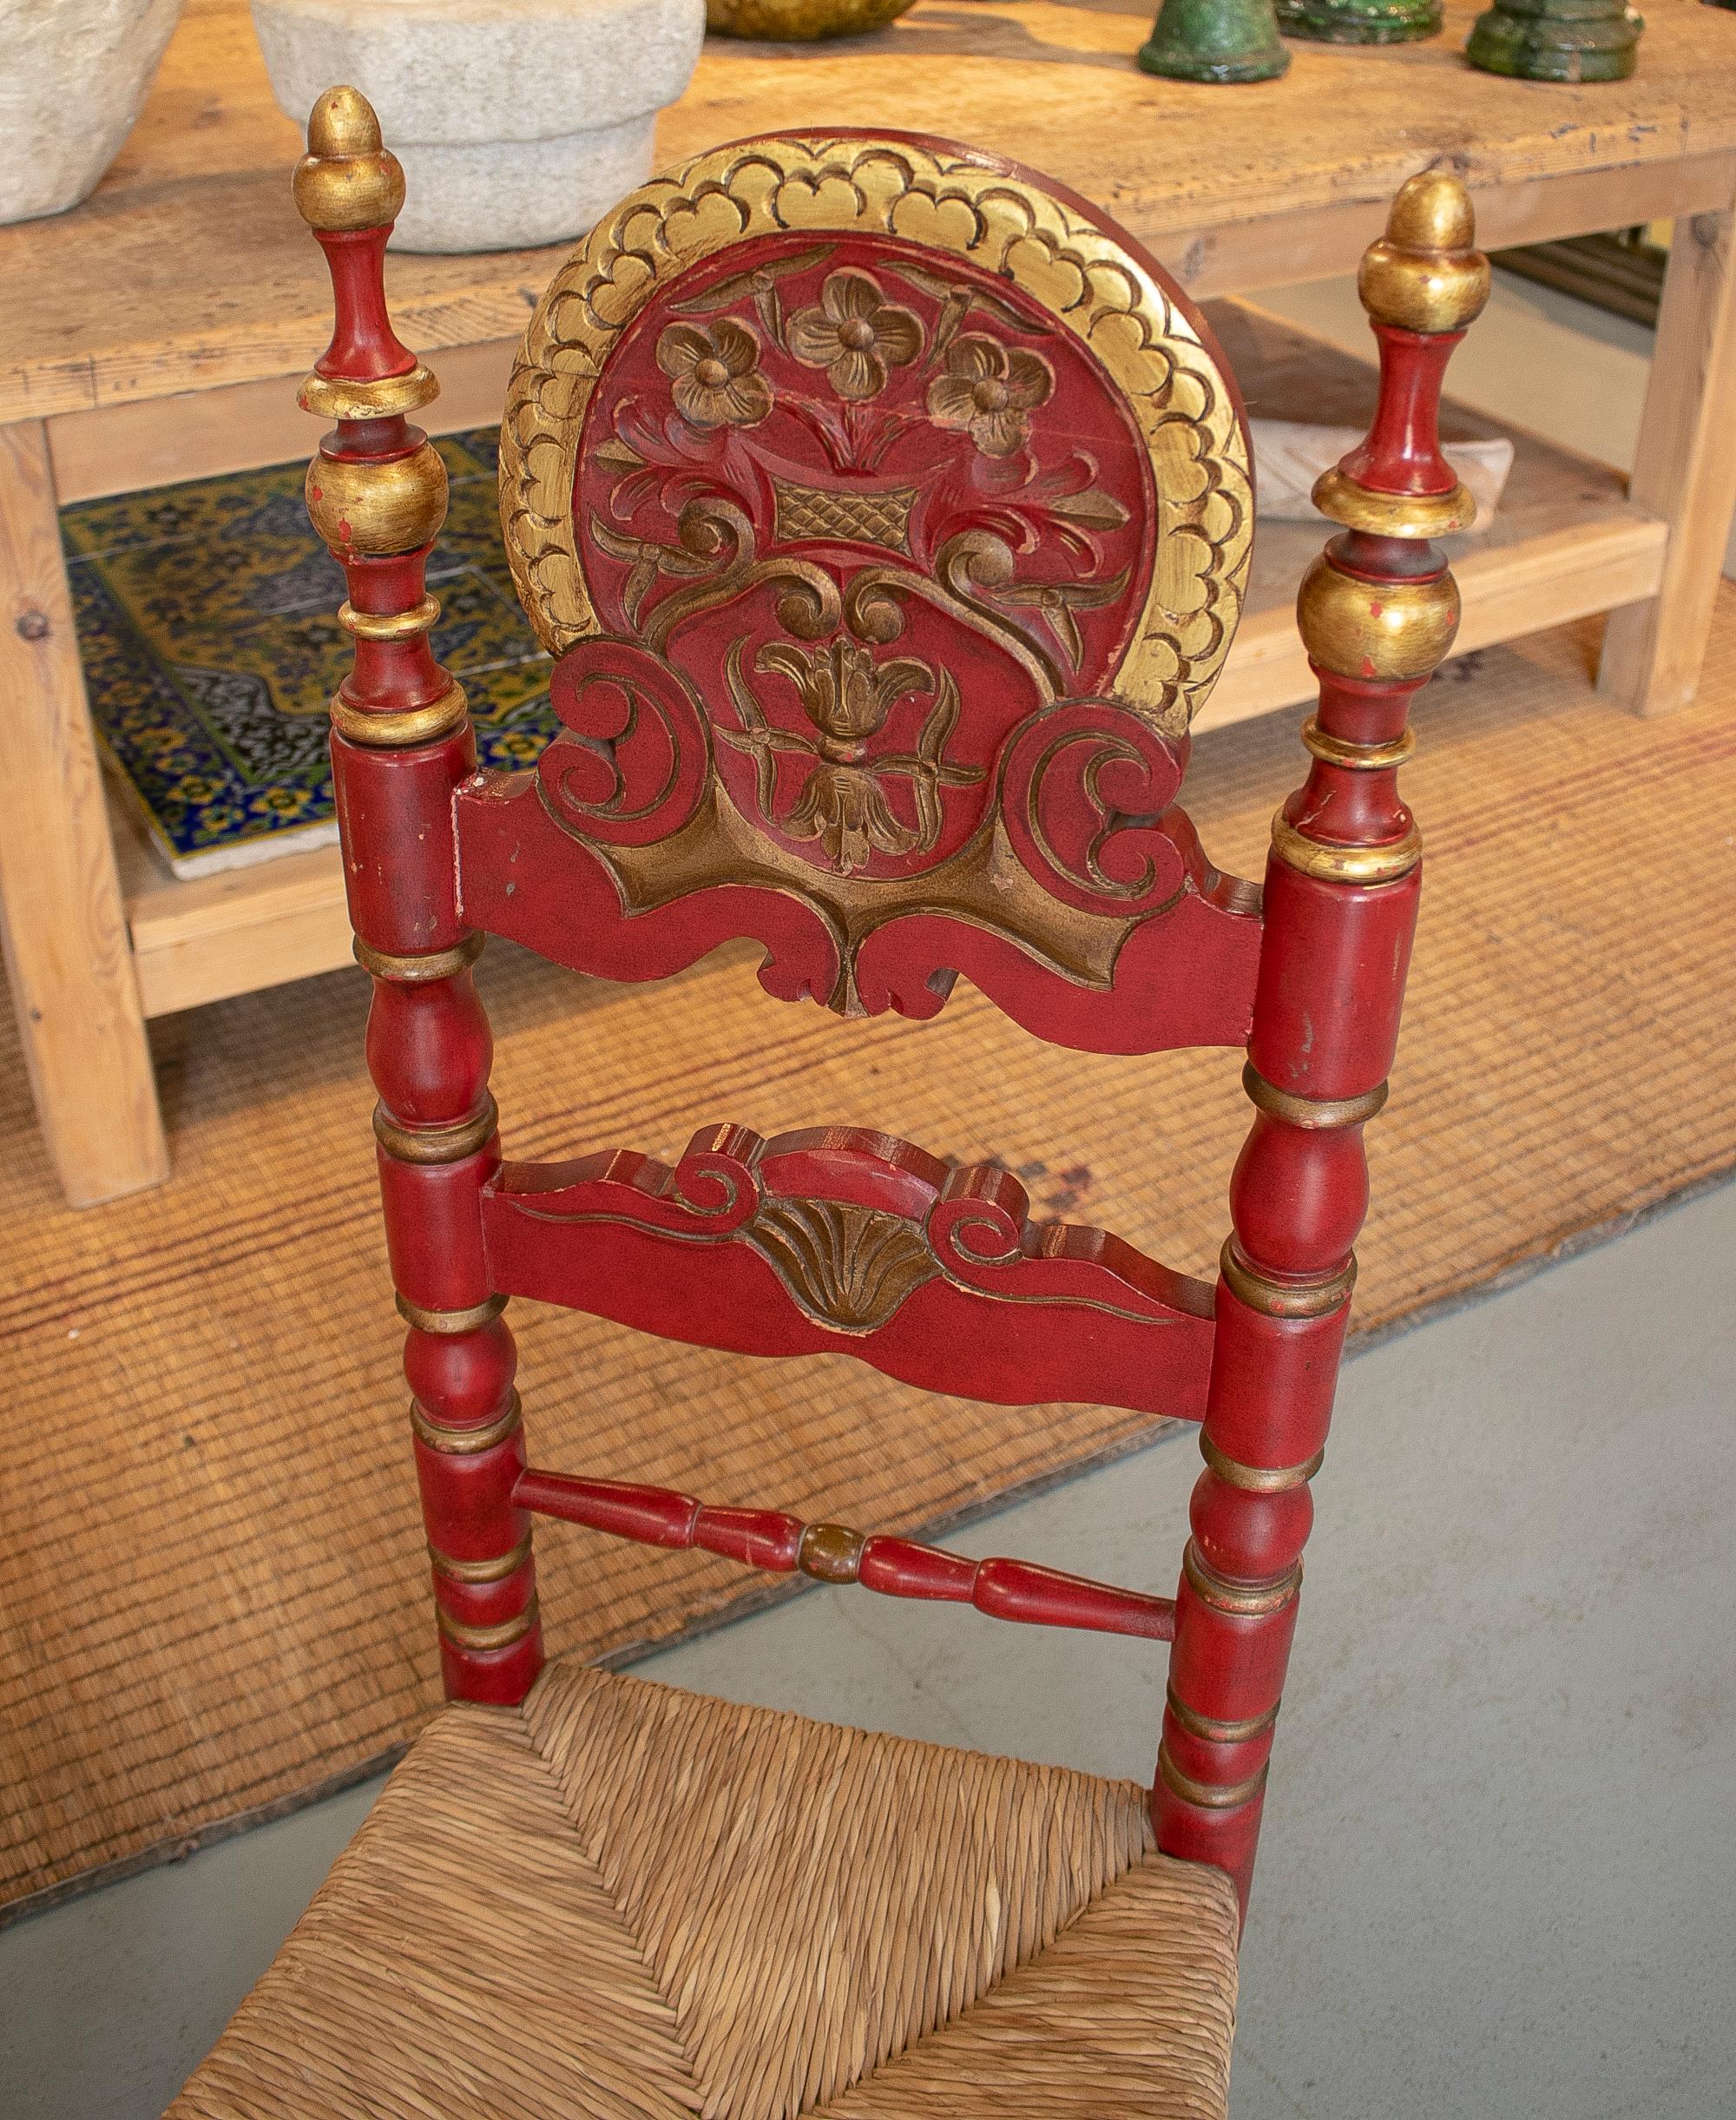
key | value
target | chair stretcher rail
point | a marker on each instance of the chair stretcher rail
(783, 1544)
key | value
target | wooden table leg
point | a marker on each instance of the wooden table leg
(61, 922)
(1685, 471)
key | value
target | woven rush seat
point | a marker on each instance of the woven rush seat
(620, 1899)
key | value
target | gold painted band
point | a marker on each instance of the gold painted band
(1357, 757)
(495, 1570)
(1343, 499)
(346, 180)
(398, 731)
(1329, 863)
(1311, 1113)
(1213, 1732)
(1247, 1600)
(436, 1144)
(414, 970)
(831, 1552)
(465, 1442)
(1207, 1795)
(470, 1319)
(502, 1635)
(1390, 631)
(1258, 1479)
(1425, 277)
(335, 396)
(1282, 1299)
(389, 625)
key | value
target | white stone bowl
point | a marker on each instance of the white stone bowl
(73, 75)
(518, 122)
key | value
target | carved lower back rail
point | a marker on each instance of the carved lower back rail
(836, 1239)
(782, 1544)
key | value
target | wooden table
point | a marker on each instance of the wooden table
(156, 333)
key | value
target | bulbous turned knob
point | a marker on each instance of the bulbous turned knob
(347, 179)
(1389, 632)
(1425, 273)
(369, 507)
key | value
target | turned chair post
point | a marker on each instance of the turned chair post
(1378, 613)
(401, 742)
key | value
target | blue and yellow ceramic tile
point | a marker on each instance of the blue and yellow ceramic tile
(206, 622)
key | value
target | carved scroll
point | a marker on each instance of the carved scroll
(1080, 899)
(839, 1239)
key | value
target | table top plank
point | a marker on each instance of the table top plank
(188, 268)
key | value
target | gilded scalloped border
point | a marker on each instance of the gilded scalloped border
(1183, 404)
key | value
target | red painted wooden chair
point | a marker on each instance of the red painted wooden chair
(887, 512)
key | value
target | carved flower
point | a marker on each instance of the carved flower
(843, 694)
(990, 389)
(714, 373)
(844, 808)
(847, 697)
(855, 334)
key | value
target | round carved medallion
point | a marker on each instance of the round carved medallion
(883, 447)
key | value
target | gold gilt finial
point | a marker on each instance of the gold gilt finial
(347, 179)
(1424, 277)
(342, 123)
(1425, 273)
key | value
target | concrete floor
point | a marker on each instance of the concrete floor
(1500, 1849)
(1500, 1852)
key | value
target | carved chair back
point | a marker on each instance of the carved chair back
(887, 512)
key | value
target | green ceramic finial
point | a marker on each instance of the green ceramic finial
(1361, 21)
(1216, 40)
(1556, 40)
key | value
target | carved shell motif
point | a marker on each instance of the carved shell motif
(849, 1268)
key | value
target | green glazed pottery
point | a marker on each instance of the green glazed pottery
(1360, 22)
(1556, 40)
(1216, 40)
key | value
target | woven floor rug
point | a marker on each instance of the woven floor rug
(213, 1599)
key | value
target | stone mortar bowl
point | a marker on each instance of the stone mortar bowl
(72, 82)
(518, 122)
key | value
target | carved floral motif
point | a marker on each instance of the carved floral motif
(759, 209)
(991, 390)
(827, 401)
(847, 697)
(912, 420)
(713, 375)
(877, 462)
(855, 334)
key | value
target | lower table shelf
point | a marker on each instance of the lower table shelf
(1566, 543)
(207, 937)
